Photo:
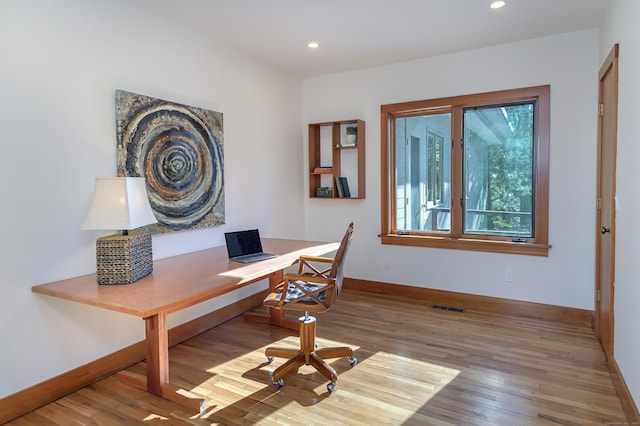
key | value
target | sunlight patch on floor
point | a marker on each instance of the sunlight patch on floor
(248, 376)
(154, 417)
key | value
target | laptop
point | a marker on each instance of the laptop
(245, 246)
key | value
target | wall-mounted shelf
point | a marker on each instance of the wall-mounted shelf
(333, 159)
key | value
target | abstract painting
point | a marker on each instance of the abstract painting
(179, 150)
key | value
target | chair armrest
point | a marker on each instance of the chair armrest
(307, 266)
(306, 258)
(307, 278)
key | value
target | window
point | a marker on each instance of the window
(468, 172)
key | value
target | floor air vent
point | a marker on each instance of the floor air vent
(447, 308)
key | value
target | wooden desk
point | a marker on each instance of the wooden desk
(177, 283)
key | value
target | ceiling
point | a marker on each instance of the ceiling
(362, 33)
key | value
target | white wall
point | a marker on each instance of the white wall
(622, 27)
(569, 63)
(60, 63)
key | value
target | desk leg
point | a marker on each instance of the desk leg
(157, 379)
(275, 316)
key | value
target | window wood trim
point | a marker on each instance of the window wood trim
(537, 246)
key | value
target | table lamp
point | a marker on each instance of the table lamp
(121, 204)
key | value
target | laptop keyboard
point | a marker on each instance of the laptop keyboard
(248, 257)
(253, 256)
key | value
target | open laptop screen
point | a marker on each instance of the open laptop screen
(241, 243)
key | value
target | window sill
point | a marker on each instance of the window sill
(490, 246)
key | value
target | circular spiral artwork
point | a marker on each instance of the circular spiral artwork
(178, 149)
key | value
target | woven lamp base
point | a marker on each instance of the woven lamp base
(123, 259)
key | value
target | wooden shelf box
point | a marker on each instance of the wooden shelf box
(328, 148)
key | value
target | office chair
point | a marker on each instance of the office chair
(313, 289)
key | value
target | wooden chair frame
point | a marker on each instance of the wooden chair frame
(329, 280)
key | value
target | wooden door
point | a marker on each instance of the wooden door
(606, 202)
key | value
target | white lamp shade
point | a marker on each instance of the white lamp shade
(119, 204)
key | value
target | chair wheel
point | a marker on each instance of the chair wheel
(270, 358)
(278, 383)
(353, 360)
(331, 387)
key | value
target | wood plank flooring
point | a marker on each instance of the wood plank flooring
(416, 366)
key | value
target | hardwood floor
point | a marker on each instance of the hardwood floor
(416, 366)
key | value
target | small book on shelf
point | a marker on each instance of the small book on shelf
(323, 169)
(345, 187)
(342, 186)
(339, 188)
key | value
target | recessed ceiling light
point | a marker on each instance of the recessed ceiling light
(497, 4)
(313, 45)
